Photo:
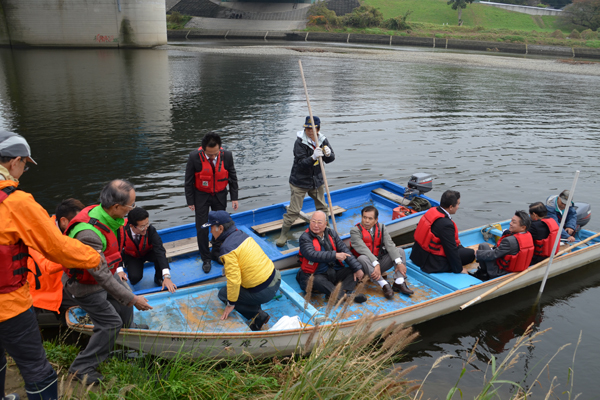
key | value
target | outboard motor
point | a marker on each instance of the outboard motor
(418, 184)
(584, 214)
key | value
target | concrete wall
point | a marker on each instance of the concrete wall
(83, 23)
(523, 9)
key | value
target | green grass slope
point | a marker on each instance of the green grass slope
(438, 12)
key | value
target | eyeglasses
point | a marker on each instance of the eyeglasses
(25, 168)
(142, 227)
(130, 206)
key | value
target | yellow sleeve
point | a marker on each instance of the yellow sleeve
(233, 275)
(33, 225)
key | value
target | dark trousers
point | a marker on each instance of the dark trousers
(325, 283)
(467, 256)
(490, 266)
(20, 338)
(214, 203)
(248, 303)
(108, 317)
(135, 267)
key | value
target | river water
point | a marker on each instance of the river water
(503, 137)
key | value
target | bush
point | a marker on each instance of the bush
(575, 34)
(398, 23)
(320, 12)
(557, 34)
(364, 17)
(589, 34)
(176, 20)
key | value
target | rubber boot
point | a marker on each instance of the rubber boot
(283, 237)
(3, 378)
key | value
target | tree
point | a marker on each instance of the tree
(459, 5)
(582, 13)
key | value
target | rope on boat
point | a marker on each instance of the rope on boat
(420, 204)
(486, 231)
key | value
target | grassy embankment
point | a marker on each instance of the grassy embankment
(480, 22)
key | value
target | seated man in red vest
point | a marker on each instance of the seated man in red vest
(143, 243)
(322, 254)
(437, 247)
(512, 254)
(543, 232)
(375, 250)
(49, 296)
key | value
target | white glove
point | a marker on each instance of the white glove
(326, 151)
(318, 153)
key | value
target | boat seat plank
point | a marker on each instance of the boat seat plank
(180, 247)
(391, 196)
(265, 228)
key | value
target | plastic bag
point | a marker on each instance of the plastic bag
(286, 323)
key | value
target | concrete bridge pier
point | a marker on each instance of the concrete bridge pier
(83, 23)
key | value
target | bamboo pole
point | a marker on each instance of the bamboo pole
(520, 274)
(317, 141)
(560, 229)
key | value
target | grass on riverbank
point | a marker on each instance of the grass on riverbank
(469, 33)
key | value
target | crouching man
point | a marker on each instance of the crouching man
(377, 253)
(322, 254)
(252, 279)
(513, 252)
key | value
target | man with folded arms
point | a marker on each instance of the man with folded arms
(375, 250)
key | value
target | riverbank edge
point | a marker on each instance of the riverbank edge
(431, 42)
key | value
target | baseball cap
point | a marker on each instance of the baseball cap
(217, 218)
(564, 196)
(13, 145)
(307, 123)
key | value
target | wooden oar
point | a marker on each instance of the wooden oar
(317, 141)
(520, 274)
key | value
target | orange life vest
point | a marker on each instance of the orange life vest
(520, 261)
(136, 250)
(212, 179)
(543, 247)
(112, 253)
(13, 259)
(373, 243)
(426, 239)
(311, 266)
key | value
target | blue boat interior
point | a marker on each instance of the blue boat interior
(187, 269)
(198, 309)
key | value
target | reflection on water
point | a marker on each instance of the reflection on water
(504, 138)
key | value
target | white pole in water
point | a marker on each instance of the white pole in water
(560, 229)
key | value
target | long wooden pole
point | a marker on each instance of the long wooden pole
(520, 274)
(317, 142)
(560, 229)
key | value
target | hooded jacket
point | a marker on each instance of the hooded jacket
(306, 172)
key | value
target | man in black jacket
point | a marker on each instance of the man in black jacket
(322, 254)
(208, 172)
(437, 247)
(143, 243)
(306, 176)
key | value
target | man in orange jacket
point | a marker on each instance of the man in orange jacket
(25, 224)
(50, 294)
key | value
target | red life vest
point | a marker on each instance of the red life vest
(13, 259)
(212, 179)
(311, 266)
(426, 239)
(136, 250)
(112, 253)
(373, 243)
(543, 247)
(520, 261)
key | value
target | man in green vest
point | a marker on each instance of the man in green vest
(100, 292)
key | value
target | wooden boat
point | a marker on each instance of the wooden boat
(264, 225)
(188, 321)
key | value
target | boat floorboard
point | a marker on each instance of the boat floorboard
(267, 227)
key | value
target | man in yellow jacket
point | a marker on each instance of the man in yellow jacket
(23, 224)
(252, 279)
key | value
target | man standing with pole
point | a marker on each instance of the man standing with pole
(310, 149)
